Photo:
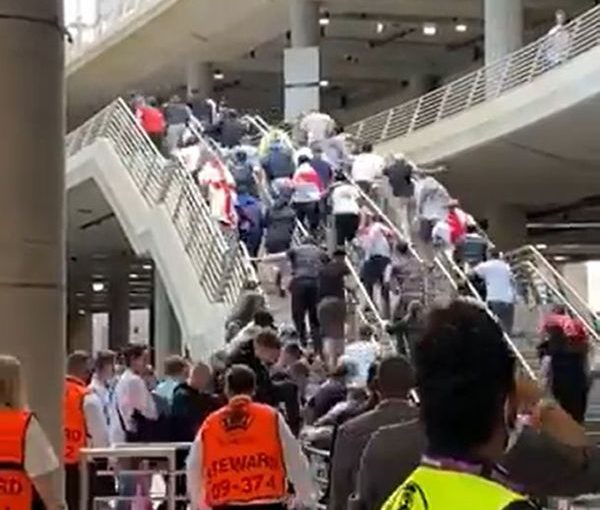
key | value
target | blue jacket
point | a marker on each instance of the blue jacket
(251, 221)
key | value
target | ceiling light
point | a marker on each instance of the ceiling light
(541, 246)
(81, 312)
(429, 29)
(147, 267)
(218, 75)
(560, 258)
(134, 276)
(460, 27)
(324, 19)
(380, 27)
(97, 286)
(324, 83)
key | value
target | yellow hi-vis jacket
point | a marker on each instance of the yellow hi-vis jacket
(436, 489)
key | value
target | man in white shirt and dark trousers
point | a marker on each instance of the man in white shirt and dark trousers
(345, 208)
(101, 391)
(133, 401)
(367, 168)
(500, 288)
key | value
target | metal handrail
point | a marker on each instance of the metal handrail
(578, 307)
(122, 13)
(486, 83)
(442, 262)
(164, 182)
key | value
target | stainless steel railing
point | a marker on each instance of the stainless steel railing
(221, 268)
(485, 84)
(546, 282)
(451, 273)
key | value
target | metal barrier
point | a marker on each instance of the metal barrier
(167, 452)
(121, 452)
(165, 182)
(485, 84)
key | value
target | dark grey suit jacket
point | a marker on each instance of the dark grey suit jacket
(538, 463)
(351, 439)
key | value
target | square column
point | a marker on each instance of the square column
(118, 307)
(301, 62)
(503, 28)
(507, 227)
(166, 330)
(199, 79)
(79, 332)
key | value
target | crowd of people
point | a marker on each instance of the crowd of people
(445, 419)
(474, 427)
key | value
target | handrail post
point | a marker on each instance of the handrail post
(443, 102)
(413, 120)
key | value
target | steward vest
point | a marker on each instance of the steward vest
(436, 489)
(75, 429)
(16, 491)
(242, 458)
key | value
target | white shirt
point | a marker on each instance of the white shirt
(361, 355)
(296, 467)
(103, 392)
(131, 393)
(557, 44)
(40, 458)
(95, 422)
(498, 280)
(376, 242)
(367, 167)
(344, 199)
(318, 126)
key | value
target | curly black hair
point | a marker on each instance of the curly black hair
(465, 371)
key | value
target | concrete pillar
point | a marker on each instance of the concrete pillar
(302, 65)
(304, 23)
(507, 227)
(167, 334)
(32, 190)
(118, 307)
(419, 85)
(80, 332)
(199, 78)
(503, 28)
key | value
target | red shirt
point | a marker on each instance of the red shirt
(152, 119)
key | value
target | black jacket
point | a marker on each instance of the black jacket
(243, 354)
(189, 409)
(399, 175)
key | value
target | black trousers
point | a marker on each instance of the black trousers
(305, 295)
(308, 211)
(373, 272)
(72, 481)
(346, 226)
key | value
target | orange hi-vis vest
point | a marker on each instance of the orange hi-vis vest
(242, 462)
(16, 490)
(75, 429)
